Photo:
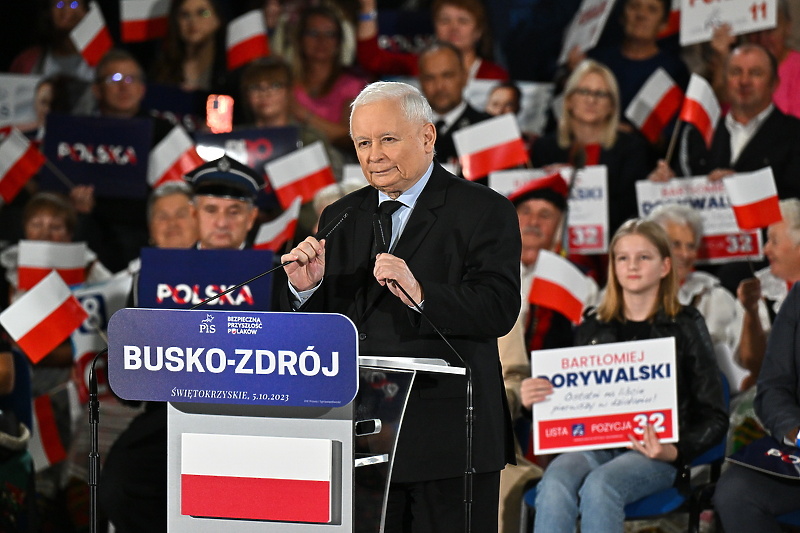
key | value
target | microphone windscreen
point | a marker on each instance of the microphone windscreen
(329, 228)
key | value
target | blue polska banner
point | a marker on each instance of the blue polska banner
(109, 153)
(769, 456)
(286, 359)
(180, 279)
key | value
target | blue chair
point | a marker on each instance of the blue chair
(669, 500)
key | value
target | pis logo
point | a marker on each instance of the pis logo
(206, 325)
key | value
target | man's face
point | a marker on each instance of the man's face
(442, 78)
(120, 89)
(749, 82)
(172, 222)
(642, 20)
(393, 152)
(223, 223)
(538, 223)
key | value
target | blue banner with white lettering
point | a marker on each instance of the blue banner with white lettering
(769, 456)
(296, 359)
(180, 279)
(109, 153)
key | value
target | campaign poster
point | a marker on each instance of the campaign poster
(699, 18)
(587, 219)
(585, 29)
(722, 240)
(183, 279)
(603, 393)
(17, 92)
(109, 153)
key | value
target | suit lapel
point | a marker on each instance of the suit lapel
(362, 243)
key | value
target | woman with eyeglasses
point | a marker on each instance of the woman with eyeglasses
(588, 134)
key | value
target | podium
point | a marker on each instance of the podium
(282, 456)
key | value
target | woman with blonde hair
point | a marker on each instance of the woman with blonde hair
(640, 302)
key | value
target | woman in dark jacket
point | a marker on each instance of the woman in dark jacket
(640, 302)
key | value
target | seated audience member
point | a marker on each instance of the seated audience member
(462, 23)
(505, 97)
(747, 499)
(327, 195)
(701, 290)
(640, 302)
(589, 121)
(442, 79)
(323, 87)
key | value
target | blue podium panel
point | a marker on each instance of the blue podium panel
(257, 358)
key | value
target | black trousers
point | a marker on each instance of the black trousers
(438, 506)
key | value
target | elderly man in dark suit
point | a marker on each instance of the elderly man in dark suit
(454, 247)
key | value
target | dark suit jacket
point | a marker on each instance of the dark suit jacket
(445, 148)
(462, 243)
(775, 144)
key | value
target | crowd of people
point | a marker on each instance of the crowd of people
(733, 323)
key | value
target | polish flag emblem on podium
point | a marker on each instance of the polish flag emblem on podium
(754, 198)
(143, 20)
(489, 145)
(300, 173)
(38, 258)
(559, 285)
(173, 157)
(247, 39)
(91, 36)
(256, 478)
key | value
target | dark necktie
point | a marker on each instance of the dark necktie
(383, 232)
(440, 127)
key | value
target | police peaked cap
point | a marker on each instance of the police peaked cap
(552, 188)
(226, 178)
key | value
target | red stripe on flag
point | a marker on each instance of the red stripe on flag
(758, 214)
(52, 330)
(144, 30)
(247, 50)
(286, 500)
(189, 160)
(662, 114)
(18, 175)
(673, 24)
(693, 112)
(275, 243)
(97, 47)
(28, 277)
(554, 296)
(48, 429)
(305, 187)
(506, 155)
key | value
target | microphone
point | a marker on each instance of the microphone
(324, 233)
(380, 237)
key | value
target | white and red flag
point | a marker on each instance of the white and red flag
(271, 235)
(19, 161)
(559, 285)
(673, 21)
(143, 20)
(754, 198)
(300, 173)
(489, 145)
(43, 317)
(247, 39)
(37, 259)
(700, 107)
(91, 36)
(257, 478)
(173, 157)
(47, 444)
(655, 104)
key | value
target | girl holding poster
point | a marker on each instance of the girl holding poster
(640, 302)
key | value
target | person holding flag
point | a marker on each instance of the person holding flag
(640, 302)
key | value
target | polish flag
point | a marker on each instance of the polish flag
(754, 198)
(247, 39)
(673, 22)
(173, 157)
(271, 235)
(300, 173)
(559, 285)
(19, 161)
(256, 478)
(700, 107)
(143, 20)
(655, 104)
(38, 258)
(47, 445)
(91, 36)
(43, 317)
(489, 145)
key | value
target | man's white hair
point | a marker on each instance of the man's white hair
(414, 105)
